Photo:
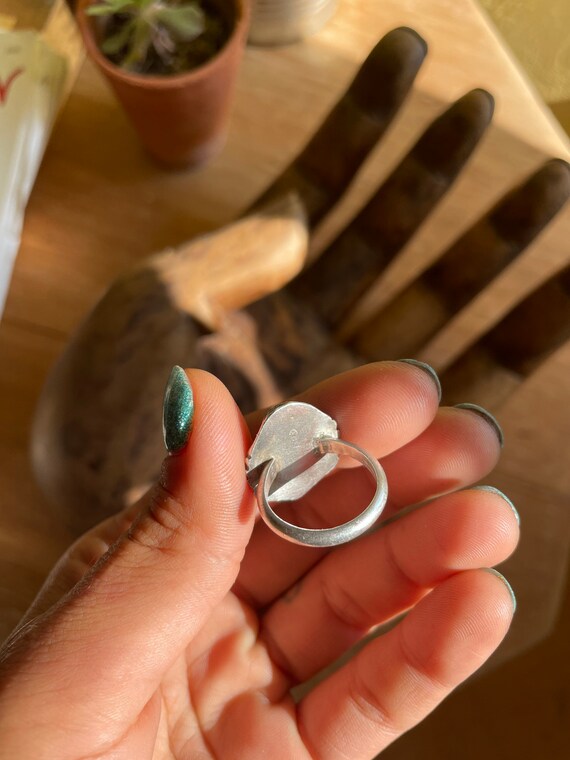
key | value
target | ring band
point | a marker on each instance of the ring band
(326, 537)
(295, 448)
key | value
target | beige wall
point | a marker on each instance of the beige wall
(538, 32)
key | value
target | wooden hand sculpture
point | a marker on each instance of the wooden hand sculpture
(97, 441)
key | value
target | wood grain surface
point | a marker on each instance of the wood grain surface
(99, 206)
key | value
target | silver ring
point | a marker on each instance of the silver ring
(295, 448)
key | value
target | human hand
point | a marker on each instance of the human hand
(177, 628)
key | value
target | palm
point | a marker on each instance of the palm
(226, 693)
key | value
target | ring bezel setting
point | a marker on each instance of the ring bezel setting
(296, 447)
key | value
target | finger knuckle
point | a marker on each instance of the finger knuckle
(424, 672)
(160, 526)
(344, 607)
(366, 699)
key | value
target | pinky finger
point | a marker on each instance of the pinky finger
(398, 679)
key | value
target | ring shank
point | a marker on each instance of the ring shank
(340, 534)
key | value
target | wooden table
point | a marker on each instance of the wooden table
(99, 206)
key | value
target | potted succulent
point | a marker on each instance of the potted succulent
(173, 65)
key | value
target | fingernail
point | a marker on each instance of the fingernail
(498, 575)
(492, 489)
(178, 410)
(487, 416)
(428, 370)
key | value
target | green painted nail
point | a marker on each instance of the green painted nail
(498, 575)
(492, 489)
(178, 410)
(428, 370)
(487, 416)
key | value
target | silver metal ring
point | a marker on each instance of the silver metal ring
(297, 445)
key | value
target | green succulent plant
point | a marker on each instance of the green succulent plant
(141, 31)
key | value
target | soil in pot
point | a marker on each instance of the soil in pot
(219, 23)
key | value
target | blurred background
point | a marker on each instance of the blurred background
(538, 37)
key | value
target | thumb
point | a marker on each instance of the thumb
(109, 641)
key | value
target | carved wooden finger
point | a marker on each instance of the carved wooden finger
(97, 439)
(323, 170)
(293, 335)
(497, 364)
(419, 311)
(216, 274)
(352, 263)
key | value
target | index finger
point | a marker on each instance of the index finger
(380, 406)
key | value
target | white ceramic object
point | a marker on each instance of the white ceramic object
(278, 22)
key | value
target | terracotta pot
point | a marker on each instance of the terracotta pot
(180, 119)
